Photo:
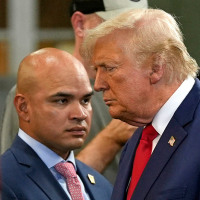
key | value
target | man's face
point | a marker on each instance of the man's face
(125, 85)
(60, 109)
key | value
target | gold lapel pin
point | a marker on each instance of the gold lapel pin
(91, 178)
(171, 141)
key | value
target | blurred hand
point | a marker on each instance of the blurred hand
(119, 131)
(103, 148)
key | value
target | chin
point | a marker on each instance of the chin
(78, 144)
(115, 115)
(114, 111)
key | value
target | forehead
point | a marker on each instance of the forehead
(108, 49)
(69, 79)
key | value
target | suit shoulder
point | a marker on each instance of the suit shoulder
(6, 157)
(8, 164)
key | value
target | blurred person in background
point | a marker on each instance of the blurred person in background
(106, 138)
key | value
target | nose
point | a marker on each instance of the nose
(78, 112)
(100, 81)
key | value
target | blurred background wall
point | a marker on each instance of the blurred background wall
(27, 25)
(187, 12)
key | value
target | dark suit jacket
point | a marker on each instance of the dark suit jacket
(173, 172)
(26, 177)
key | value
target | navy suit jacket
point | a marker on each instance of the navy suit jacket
(26, 177)
(173, 172)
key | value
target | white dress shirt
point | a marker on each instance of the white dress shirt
(164, 115)
(50, 158)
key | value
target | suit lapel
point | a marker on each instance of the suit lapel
(46, 181)
(163, 151)
(91, 188)
(159, 158)
(98, 190)
(125, 167)
(37, 170)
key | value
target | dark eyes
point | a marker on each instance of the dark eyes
(62, 101)
(85, 101)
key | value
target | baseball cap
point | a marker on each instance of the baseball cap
(106, 9)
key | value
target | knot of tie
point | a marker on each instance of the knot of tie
(66, 169)
(149, 133)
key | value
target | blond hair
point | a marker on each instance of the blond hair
(153, 31)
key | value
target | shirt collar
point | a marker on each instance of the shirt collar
(166, 112)
(49, 157)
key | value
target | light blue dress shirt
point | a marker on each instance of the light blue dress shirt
(50, 158)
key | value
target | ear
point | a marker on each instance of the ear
(78, 20)
(21, 105)
(157, 70)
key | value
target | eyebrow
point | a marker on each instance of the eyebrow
(89, 94)
(108, 62)
(64, 94)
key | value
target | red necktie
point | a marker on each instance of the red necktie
(67, 170)
(142, 156)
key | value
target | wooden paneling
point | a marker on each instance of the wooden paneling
(54, 13)
(3, 13)
(3, 58)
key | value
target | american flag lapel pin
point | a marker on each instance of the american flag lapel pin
(171, 141)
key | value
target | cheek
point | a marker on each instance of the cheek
(128, 91)
(58, 117)
(51, 116)
(137, 95)
(121, 87)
